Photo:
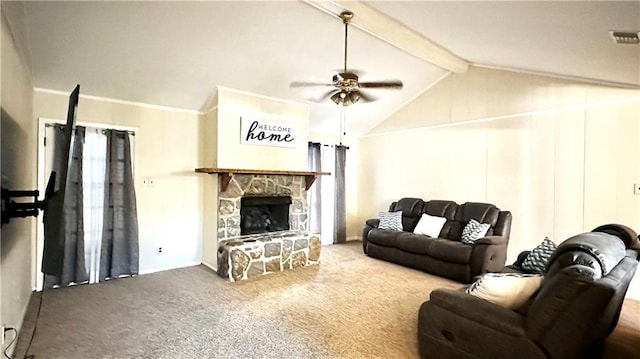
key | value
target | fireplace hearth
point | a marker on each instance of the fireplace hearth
(262, 226)
(264, 214)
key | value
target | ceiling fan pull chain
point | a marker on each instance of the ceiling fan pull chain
(342, 120)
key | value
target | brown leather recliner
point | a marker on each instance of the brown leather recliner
(576, 307)
(445, 255)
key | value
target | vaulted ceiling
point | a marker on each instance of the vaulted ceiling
(175, 53)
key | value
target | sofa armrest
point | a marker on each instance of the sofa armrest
(368, 226)
(373, 222)
(480, 311)
(491, 240)
(489, 254)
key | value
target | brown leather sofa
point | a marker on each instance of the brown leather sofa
(444, 256)
(574, 310)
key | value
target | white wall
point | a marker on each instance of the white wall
(561, 156)
(209, 157)
(222, 148)
(167, 148)
(18, 133)
(232, 106)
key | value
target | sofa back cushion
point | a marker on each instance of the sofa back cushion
(596, 253)
(481, 212)
(411, 209)
(440, 208)
(627, 235)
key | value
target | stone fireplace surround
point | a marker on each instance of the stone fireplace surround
(242, 185)
(244, 257)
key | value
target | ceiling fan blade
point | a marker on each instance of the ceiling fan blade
(308, 84)
(366, 97)
(390, 84)
(324, 96)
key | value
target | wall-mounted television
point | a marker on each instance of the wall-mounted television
(53, 251)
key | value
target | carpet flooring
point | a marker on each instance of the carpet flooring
(350, 306)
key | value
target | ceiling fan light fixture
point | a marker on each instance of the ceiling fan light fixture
(625, 37)
(351, 98)
(345, 98)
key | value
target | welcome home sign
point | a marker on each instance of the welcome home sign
(268, 133)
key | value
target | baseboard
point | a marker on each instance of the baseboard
(162, 269)
(209, 266)
(354, 238)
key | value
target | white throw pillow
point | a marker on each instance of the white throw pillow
(390, 220)
(509, 290)
(430, 225)
(473, 231)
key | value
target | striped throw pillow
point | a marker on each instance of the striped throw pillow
(537, 260)
(391, 221)
(473, 231)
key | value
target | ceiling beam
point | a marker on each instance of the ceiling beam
(393, 32)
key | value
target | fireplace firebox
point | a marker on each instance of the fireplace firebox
(264, 214)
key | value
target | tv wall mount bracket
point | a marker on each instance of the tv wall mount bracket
(24, 208)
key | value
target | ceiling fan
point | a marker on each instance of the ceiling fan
(347, 89)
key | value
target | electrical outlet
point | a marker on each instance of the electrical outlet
(152, 182)
(145, 182)
(159, 250)
(636, 188)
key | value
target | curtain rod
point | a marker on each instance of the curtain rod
(318, 143)
(130, 132)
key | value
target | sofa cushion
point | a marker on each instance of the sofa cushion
(450, 251)
(481, 212)
(536, 261)
(440, 208)
(596, 252)
(473, 231)
(628, 236)
(508, 290)
(411, 209)
(429, 225)
(414, 243)
(384, 237)
(390, 220)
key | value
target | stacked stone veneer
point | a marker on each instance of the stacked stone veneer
(260, 185)
(254, 255)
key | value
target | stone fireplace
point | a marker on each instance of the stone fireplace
(262, 226)
(253, 186)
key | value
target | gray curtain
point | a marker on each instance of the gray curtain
(119, 250)
(313, 158)
(340, 222)
(71, 246)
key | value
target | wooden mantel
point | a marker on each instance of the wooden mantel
(226, 174)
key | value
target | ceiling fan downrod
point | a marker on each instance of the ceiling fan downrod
(346, 17)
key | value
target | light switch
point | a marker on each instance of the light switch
(152, 182)
(636, 188)
(145, 182)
